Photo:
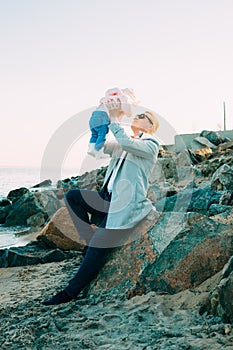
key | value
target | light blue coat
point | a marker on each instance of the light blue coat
(129, 203)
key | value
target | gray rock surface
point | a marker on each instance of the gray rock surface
(32, 254)
(16, 194)
(22, 208)
(213, 136)
(220, 299)
(178, 253)
(222, 179)
(60, 232)
(202, 142)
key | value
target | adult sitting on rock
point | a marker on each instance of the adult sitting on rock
(121, 203)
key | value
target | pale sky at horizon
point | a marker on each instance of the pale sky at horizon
(59, 56)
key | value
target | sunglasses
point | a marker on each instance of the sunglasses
(143, 116)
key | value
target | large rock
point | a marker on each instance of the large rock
(183, 159)
(36, 220)
(4, 211)
(124, 264)
(22, 209)
(214, 161)
(225, 145)
(216, 209)
(158, 191)
(199, 251)
(61, 233)
(30, 204)
(176, 254)
(220, 300)
(16, 194)
(4, 202)
(202, 142)
(178, 167)
(92, 180)
(222, 179)
(203, 153)
(44, 183)
(32, 254)
(187, 200)
(49, 201)
(165, 168)
(213, 137)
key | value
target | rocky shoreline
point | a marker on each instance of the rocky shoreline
(151, 321)
(168, 288)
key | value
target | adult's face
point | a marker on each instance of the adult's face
(142, 122)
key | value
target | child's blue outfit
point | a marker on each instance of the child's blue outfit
(98, 123)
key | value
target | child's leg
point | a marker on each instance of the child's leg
(94, 135)
(101, 138)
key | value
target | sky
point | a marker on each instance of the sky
(58, 57)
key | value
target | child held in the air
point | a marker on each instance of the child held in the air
(99, 120)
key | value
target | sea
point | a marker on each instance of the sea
(15, 177)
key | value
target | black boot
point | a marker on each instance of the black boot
(60, 298)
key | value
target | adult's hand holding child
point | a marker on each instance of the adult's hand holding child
(114, 108)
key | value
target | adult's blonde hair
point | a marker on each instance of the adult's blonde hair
(154, 121)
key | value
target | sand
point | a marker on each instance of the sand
(145, 322)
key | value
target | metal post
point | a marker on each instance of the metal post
(224, 115)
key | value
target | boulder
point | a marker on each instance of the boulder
(178, 253)
(48, 201)
(32, 254)
(216, 209)
(22, 209)
(222, 179)
(165, 168)
(177, 167)
(226, 198)
(213, 136)
(220, 300)
(198, 252)
(92, 180)
(4, 211)
(164, 152)
(16, 194)
(194, 158)
(224, 218)
(67, 184)
(36, 220)
(4, 202)
(225, 145)
(124, 264)
(29, 204)
(44, 183)
(204, 152)
(214, 161)
(158, 191)
(61, 233)
(191, 200)
(202, 142)
(183, 159)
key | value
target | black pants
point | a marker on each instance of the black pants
(80, 203)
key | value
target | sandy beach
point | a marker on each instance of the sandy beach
(146, 322)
